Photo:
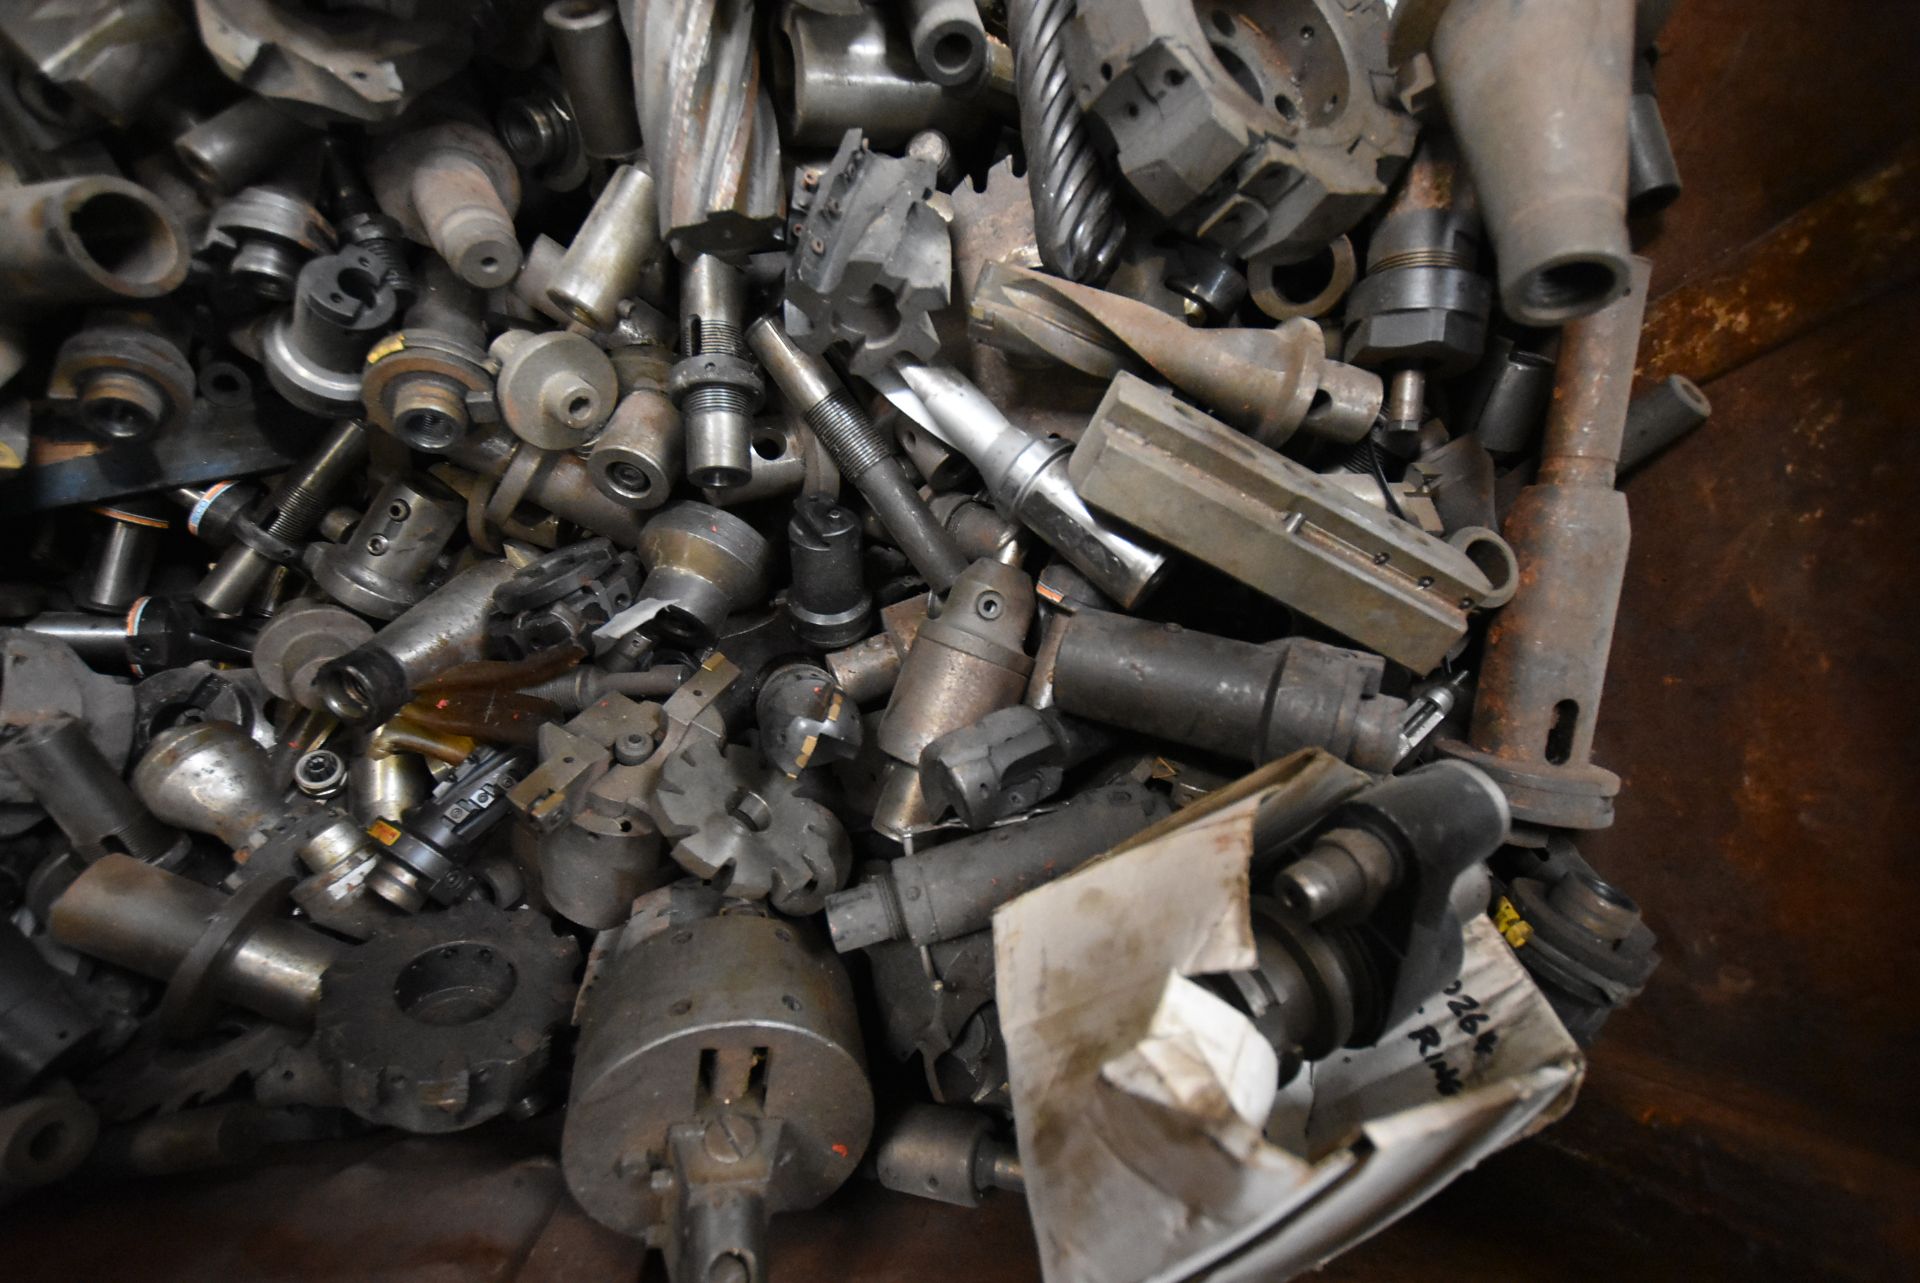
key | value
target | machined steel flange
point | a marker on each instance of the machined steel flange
(1254, 126)
(428, 388)
(126, 379)
(443, 1021)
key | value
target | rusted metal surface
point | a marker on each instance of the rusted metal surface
(1545, 658)
(1847, 247)
(1771, 105)
(995, 223)
(489, 1205)
(1760, 824)
(1758, 1086)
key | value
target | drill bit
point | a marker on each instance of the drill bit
(1073, 211)
(707, 116)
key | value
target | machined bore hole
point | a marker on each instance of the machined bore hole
(455, 984)
(1306, 280)
(1494, 560)
(45, 1145)
(1566, 716)
(521, 133)
(1237, 69)
(488, 262)
(124, 236)
(1223, 22)
(952, 51)
(346, 693)
(1285, 106)
(1605, 891)
(989, 606)
(751, 810)
(580, 407)
(769, 445)
(428, 429)
(875, 315)
(118, 418)
(1689, 391)
(630, 480)
(225, 384)
(1568, 285)
(357, 284)
(728, 1267)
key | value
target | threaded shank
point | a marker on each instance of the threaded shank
(1075, 221)
(845, 431)
(713, 336)
(298, 511)
(392, 257)
(1426, 256)
(716, 398)
(301, 500)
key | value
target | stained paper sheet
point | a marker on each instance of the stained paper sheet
(1154, 1143)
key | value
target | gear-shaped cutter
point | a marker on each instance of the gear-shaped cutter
(446, 1019)
(872, 259)
(747, 828)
